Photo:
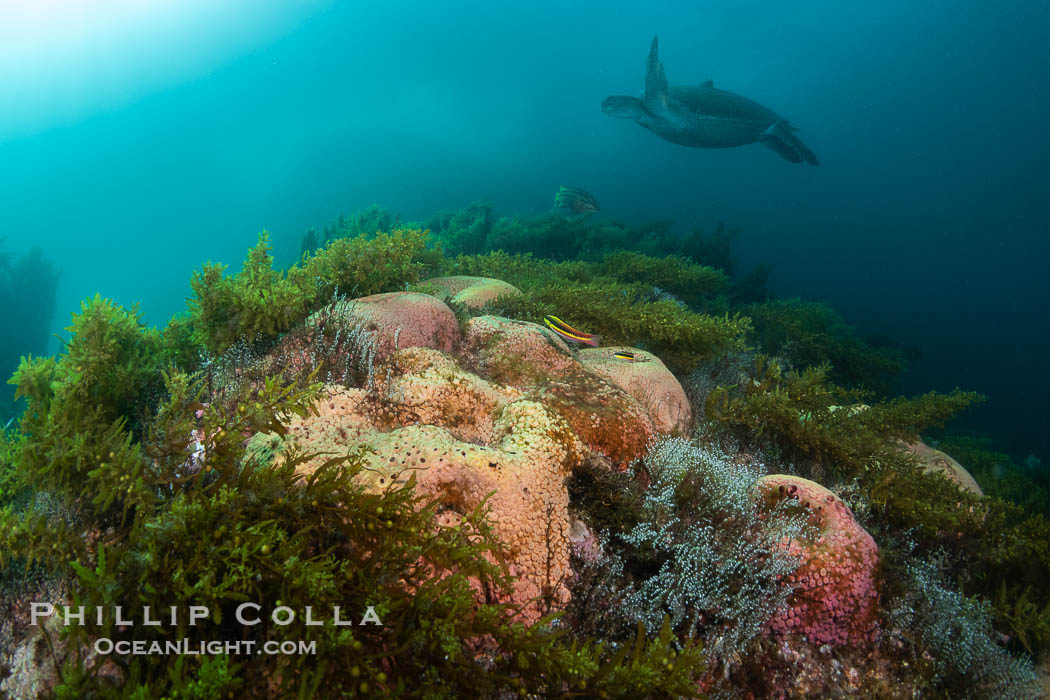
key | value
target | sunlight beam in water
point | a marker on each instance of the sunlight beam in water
(62, 61)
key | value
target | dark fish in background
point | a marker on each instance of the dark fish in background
(575, 200)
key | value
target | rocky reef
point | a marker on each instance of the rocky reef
(497, 511)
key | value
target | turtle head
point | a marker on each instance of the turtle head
(623, 107)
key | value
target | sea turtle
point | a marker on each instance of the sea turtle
(703, 116)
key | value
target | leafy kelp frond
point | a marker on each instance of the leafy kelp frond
(1027, 619)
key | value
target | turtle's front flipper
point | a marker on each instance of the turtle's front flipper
(789, 146)
(655, 81)
(623, 107)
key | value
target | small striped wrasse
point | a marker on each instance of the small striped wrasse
(569, 333)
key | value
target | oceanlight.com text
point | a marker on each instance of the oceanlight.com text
(105, 646)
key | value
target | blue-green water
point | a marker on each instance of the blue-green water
(137, 144)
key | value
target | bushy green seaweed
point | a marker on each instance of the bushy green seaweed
(363, 265)
(623, 315)
(142, 514)
(28, 285)
(998, 474)
(167, 527)
(819, 429)
(9, 449)
(261, 302)
(693, 284)
(365, 223)
(464, 231)
(812, 420)
(662, 277)
(85, 407)
(822, 431)
(809, 334)
(475, 230)
(257, 301)
(1028, 619)
(594, 297)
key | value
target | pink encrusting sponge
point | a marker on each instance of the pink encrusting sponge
(836, 596)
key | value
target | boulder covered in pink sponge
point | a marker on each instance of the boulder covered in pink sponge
(836, 596)
(533, 358)
(936, 461)
(467, 442)
(404, 320)
(648, 380)
(516, 353)
(471, 292)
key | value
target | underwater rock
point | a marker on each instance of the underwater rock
(936, 461)
(648, 380)
(836, 597)
(463, 438)
(35, 664)
(471, 292)
(437, 391)
(516, 353)
(403, 320)
(515, 429)
(32, 672)
(607, 418)
(584, 543)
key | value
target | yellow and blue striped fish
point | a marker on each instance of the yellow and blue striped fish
(569, 333)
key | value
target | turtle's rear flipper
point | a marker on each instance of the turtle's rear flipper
(789, 146)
